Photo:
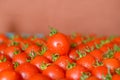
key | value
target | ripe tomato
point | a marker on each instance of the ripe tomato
(92, 78)
(75, 72)
(20, 58)
(6, 65)
(39, 76)
(73, 54)
(58, 43)
(116, 77)
(100, 71)
(117, 55)
(111, 63)
(11, 51)
(63, 62)
(38, 61)
(54, 72)
(87, 61)
(10, 75)
(27, 70)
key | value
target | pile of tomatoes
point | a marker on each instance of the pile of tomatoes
(58, 56)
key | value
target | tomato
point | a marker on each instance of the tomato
(54, 72)
(111, 63)
(32, 51)
(92, 78)
(39, 76)
(11, 51)
(10, 75)
(97, 54)
(117, 55)
(63, 62)
(73, 54)
(2, 47)
(20, 58)
(87, 61)
(27, 70)
(58, 43)
(38, 61)
(3, 38)
(6, 65)
(116, 77)
(4, 57)
(100, 71)
(75, 72)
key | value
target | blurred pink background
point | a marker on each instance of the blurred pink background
(84, 16)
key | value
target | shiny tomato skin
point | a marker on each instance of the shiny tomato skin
(75, 73)
(7, 65)
(27, 70)
(111, 63)
(39, 76)
(100, 71)
(10, 75)
(38, 61)
(87, 61)
(115, 77)
(54, 72)
(92, 78)
(10, 51)
(63, 62)
(58, 43)
(20, 58)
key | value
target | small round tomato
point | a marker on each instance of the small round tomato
(111, 63)
(39, 76)
(87, 61)
(100, 71)
(58, 43)
(27, 70)
(116, 77)
(63, 62)
(11, 51)
(10, 75)
(20, 58)
(73, 54)
(75, 72)
(38, 61)
(6, 65)
(92, 78)
(117, 55)
(54, 72)
(32, 51)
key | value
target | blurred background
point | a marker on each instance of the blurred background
(83, 16)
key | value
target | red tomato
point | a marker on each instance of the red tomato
(117, 55)
(54, 72)
(20, 58)
(6, 65)
(11, 51)
(38, 61)
(73, 54)
(27, 70)
(116, 77)
(63, 62)
(97, 54)
(58, 43)
(75, 73)
(39, 76)
(10, 75)
(87, 61)
(111, 63)
(100, 71)
(92, 78)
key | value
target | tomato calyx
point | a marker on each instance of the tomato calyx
(16, 52)
(16, 64)
(116, 48)
(70, 65)
(53, 31)
(108, 76)
(85, 75)
(43, 50)
(98, 63)
(55, 57)
(25, 46)
(4, 59)
(108, 54)
(44, 66)
(81, 53)
(117, 71)
(73, 45)
(32, 55)
(89, 49)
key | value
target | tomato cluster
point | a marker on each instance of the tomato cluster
(58, 56)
